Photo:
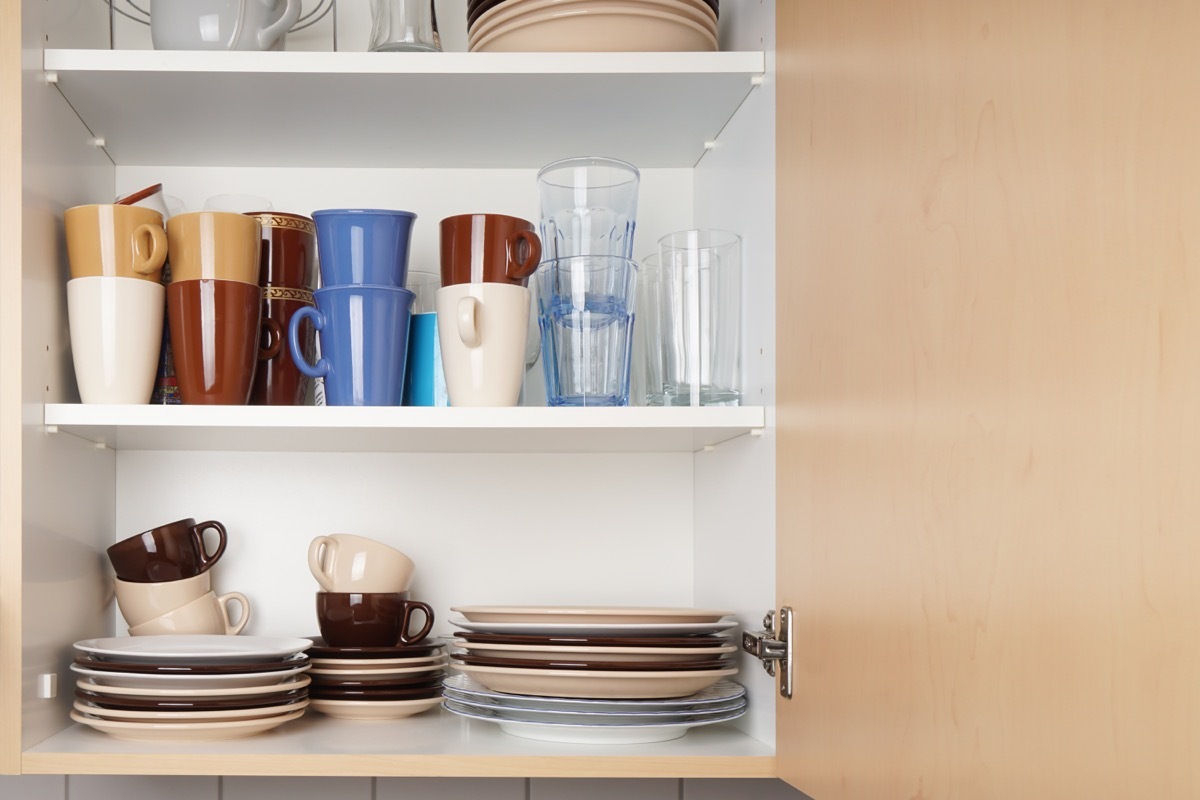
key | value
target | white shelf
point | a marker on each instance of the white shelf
(433, 744)
(404, 429)
(452, 110)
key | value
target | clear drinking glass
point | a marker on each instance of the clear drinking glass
(404, 26)
(588, 207)
(646, 373)
(700, 303)
(585, 312)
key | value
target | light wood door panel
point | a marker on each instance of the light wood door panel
(989, 397)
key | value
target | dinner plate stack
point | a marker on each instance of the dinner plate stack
(189, 688)
(630, 674)
(591, 25)
(376, 682)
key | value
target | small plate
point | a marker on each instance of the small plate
(373, 709)
(374, 663)
(698, 642)
(599, 719)
(215, 649)
(594, 684)
(288, 685)
(612, 615)
(378, 673)
(594, 628)
(395, 681)
(604, 654)
(194, 668)
(178, 704)
(367, 695)
(190, 716)
(475, 693)
(426, 647)
(160, 732)
(563, 662)
(137, 680)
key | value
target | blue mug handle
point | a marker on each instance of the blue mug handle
(318, 321)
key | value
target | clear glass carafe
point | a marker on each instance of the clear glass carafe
(404, 25)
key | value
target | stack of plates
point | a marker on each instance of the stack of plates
(592, 653)
(189, 688)
(591, 25)
(376, 682)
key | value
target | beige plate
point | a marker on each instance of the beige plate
(598, 30)
(297, 682)
(614, 654)
(587, 683)
(608, 615)
(362, 664)
(371, 709)
(190, 716)
(505, 13)
(185, 731)
(378, 673)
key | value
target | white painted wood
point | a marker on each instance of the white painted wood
(739, 788)
(463, 110)
(35, 787)
(296, 789)
(615, 789)
(143, 787)
(450, 789)
(390, 429)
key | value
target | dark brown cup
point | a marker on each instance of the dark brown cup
(215, 328)
(289, 250)
(510, 249)
(379, 619)
(278, 382)
(166, 553)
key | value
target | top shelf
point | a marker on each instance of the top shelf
(417, 110)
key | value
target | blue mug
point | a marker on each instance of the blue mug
(363, 332)
(363, 246)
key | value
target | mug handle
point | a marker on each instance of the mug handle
(274, 338)
(318, 320)
(317, 549)
(206, 560)
(149, 253)
(409, 607)
(223, 601)
(518, 270)
(468, 321)
(268, 35)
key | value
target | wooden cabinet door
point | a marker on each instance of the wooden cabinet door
(989, 397)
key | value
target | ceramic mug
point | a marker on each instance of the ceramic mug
(116, 329)
(221, 24)
(215, 330)
(115, 241)
(215, 245)
(344, 562)
(488, 248)
(363, 246)
(483, 328)
(373, 619)
(169, 552)
(142, 602)
(207, 614)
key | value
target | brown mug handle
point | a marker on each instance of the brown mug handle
(274, 334)
(518, 270)
(409, 607)
(206, 560)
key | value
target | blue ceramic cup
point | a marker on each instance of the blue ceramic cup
(363, 332)
(363, 246)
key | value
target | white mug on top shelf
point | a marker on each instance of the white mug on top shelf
(483, 329)
(116, 330)
(347, 563)
(221, 24)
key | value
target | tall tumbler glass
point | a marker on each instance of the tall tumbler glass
(424, 378)
(646, 372)
(700, 318)
(404, 26)
(588, 207)
(585, 312)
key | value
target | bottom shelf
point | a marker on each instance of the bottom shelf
(435, 744)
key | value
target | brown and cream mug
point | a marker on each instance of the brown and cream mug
(381, 619)
(215, 245)
(488, 248)
(169, 552)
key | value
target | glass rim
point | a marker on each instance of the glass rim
(589, 161)
(729, 238)
(606, 261)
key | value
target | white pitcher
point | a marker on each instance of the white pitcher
(221, 24)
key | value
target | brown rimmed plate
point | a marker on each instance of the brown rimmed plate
(400, 681)
(183, 704)
(193, 668)
(598, 666)
(426, 647)
(703, 640)
(376, 694)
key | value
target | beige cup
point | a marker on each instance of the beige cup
(347, 563)
(206, 614)
(215, 245)
(142, 602)
(115, 241)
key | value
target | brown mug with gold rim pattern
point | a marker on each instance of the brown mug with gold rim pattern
(288, 278)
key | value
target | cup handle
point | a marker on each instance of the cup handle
(274, 337)
(517, 270)
(206, 560)
(268, 35)
(149, 248)
(308, 312)
(243, 603)
(317, 550)
(409, 607)
(468, 321)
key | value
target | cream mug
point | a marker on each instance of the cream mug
(206, 614)
(142, 602)
(483, 328)
(344, 562)
(116, 332)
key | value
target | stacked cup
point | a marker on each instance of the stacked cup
(114, 300)
(483, 306)
(362, 308)
(164, 584)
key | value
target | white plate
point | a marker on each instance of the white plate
(475, 693)
(594, 628)
(374, 663)
(587, 734)
(611, 615)
(184, 731)
(546, 652)
(597, 719)
(374, 709)
(289, 685)
(210, 648)
(152, 680)
(595, 684)
(190, 716)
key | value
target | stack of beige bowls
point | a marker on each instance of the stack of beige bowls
(164, 583)
(591, 25)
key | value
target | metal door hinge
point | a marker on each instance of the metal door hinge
(773, 646)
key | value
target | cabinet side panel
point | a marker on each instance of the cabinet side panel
(67, 485)
(989, 226)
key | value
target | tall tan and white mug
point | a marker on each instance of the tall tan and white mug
(344, 562)
(483, 329)
(115, 241)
